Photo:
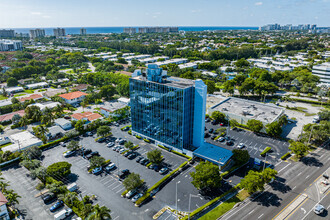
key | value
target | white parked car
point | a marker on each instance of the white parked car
(68, 153)
(318, 209)
(240, 146)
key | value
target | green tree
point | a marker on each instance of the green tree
(132, 181)
(84, 104)
(274, 129)
(73, 145)
(11, 81)
(242, 63)
(253, 182)
(268, 174)
(254, 125)
(298, 148)
(233, 123)
(129, 144)
(14, 100)
(99, 213)
(30, 164)
(283, 120)
(40, 173)
(69, 198)
(240, 156)
(79, 126)
(107, 91)
(96, 161)
(211, 88)
(24, 122)
(31, 153)
(206, 176)
(15, 119)
(59, 169)
(103, 131)
(12, 197)
(324, 115)
(155, 156)
(218, 116)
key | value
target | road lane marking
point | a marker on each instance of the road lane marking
(294, 187)
(251, 212)
(306, 176)
(260, 216)
(299, 174)
(284, 167)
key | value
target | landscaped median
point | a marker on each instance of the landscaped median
(285, 156)
(175, 152)
(267, 149)
(224, 207)
(159, 183)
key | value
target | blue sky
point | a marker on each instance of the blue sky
(89, 13)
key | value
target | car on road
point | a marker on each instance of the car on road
(97, 170)
(48, 198)
(163, 170)
(240, 146)
(110, 167)
(56, 206)
(111, 144)
(131, 193)
(318, 209)
(221, 139)
(124, 173)
(69, 153)
(136, 197)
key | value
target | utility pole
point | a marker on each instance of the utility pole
(176, 198)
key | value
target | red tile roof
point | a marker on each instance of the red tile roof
(33, 96)
(3, 199)
(9, 116)
(72, 95)
(89, 115)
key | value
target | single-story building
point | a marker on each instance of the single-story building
(3, 207)
(54, 92)
(81, 87)
(55, 132)
(5, 102)
(33, 96)
(9, 116)
(37, 85)
(49, 105)
(22, 141)
(73, 97)
(63, 123)
(4, 140)
(214, 154)
(87, 116)
(109, 107)
(124, 100)
(14, 89)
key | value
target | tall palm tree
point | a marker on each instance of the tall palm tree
(58, 110)
(24, 121)
(68, 197)
(12, 197)
(3, 186)
(100, 213)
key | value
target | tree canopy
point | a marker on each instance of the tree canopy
(206, 176)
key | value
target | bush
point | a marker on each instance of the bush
(138, 137)
(148, 165)
(285, 156)
(59, 169)
(146, 140)
(161, 146)
(180, 154)
(267, 149)
(123, 194)
(135, 147)
(129, 132)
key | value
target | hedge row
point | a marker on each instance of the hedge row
(267, 149)
(146, 196)
(180, 154)
(161, 146)
(146, 140)
(213, 201)
(135, 147)
(125, 127)
(309, 101)
(285, 156)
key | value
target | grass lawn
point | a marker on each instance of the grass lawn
(5, 145)
(310, 114)
(20, 94)
(3, 97)
(30, 91)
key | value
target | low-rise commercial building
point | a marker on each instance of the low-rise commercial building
(322, 71)
(109, 108)
(22, 141)
(43, 106)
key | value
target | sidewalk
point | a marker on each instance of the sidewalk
(291, 207)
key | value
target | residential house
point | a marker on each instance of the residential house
(8, 117)
(55, 132)
(86, 116)
(109, 108)
(37, 85)
(44, 105)
(73, 97)
(81, 87)
(63, 123)
(33, 96)
(3, 207)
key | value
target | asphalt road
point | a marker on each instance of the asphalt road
(293, 179)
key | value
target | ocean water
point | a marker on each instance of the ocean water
(101, 30)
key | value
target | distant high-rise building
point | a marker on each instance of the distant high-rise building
(36, 33)
(130, 30)
(158, 29)
(83, 31)
(10, 45)
(59, 32)
(7, 33)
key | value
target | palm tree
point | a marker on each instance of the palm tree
(100, 213)
(12, 197)
(3, 185)
(24, 121)
(68, 197)
(84, 104)
(58, 110)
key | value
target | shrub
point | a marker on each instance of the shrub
(124, 193)
(129, 132)
(149, 164)
(180, 154)
(138, 137)
(146, 140)
(161, 146)
(267, 149)
(285, 156)
(59, 169)
(135, 147)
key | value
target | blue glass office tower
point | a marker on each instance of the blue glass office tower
(168, 110)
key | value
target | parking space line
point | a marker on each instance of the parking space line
(120, 190)
(116, 186)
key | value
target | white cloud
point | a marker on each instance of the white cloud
(46, 16)
(35, 13)
(258, 3)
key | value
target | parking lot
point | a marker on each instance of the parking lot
(107, 186)
(253, 143)
(30, 207)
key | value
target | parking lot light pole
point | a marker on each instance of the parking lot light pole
(310, 135)
(265, 162)
(191, 195)
(176, 198)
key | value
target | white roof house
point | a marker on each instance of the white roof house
(22, 141)
(37, 85)
(49, 105)
(14, 89)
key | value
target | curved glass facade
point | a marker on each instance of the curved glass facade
(163, 112)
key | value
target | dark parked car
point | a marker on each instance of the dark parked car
(56, 206)
(132, 156)
(101, 140)
(230, 142)
(214, 122)
(213, 137)
(127, 153)
(211, 130)
(146, 162)
(123, 174)
(142, 161)
(48, 198)
(207, 135)
(139, 159)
